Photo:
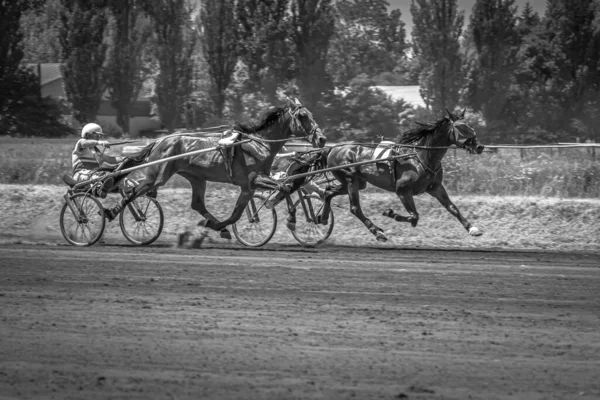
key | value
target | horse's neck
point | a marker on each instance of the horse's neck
(276, 138)
(432, 157)
(265, 151)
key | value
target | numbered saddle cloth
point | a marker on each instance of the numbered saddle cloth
(384, 150)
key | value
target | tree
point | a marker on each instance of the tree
(367, 39)
(124, 72)
(573, 29)
(495, 38)
(219, 36)
(83, 46)
(40, 33)
(559, 69)
(173, 46)
(263, 44)
(437, 27)
(312, 27)
(22, 111)
(11, 36)
(363, 112)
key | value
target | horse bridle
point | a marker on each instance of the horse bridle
(456, 126)
(295, 120)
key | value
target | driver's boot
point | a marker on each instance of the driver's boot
(112, 213)
(106, 186)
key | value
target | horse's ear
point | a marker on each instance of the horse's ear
(450, 115)
(297, 102)
(462, 114)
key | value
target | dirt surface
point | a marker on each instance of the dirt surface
(335, 322)
(30, 214)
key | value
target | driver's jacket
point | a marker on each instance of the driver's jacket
(86, 155)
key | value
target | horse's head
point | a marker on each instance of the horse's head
(462, 134)
(303, 124)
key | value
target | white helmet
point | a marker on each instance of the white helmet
(90, 129)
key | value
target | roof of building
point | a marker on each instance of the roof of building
(49, 72)
(409, 94)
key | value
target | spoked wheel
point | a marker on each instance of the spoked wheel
(308, 232)
(258, 223)
(83, 224)
(142, 220)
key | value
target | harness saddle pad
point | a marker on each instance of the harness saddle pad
(383, 150)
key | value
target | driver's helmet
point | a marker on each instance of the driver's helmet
(89, 129)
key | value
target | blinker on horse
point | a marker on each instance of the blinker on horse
(250, 163)
(416, 170)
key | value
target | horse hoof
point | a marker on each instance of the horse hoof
(291, 226)
(182, 238)
(388, 213)
(203, 223)
(321, 220)
(381, 237)
(474, 231)
(225, 234)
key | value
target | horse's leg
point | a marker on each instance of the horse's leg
(331, 191)
(439, 192)
(409, 204)
(354, 186)
(199, 205)
(291, 219)
(240, 205)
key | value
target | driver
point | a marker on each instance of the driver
(87, 157)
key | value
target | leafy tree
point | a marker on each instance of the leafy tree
(367, 39)
(124, 74)
(219, 35)
(493, 28)
(532, 71)
(83, 46)
(361, 112)
(263, 44)
(25, 114)
(11, 50)
(312, 28)
(437, 27)
(22, 111)
(173, 46)
(40, 33)
(573, 31)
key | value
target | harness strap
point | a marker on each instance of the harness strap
(434, 172)
(227, 160)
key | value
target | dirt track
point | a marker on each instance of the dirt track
(330, 323)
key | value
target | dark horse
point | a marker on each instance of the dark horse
(418, 170)
(248, 168)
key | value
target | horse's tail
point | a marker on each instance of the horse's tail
(140, 155)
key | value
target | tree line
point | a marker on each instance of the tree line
(524, 77)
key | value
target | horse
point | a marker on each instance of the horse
(248, 167)
(417, 170)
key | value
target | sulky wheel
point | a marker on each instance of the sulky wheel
(308, 232)
(258, 223)
(142, 220)
(82, 220)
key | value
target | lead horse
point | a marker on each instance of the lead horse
(248, 168)
(417, 170)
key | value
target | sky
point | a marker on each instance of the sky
(404, 5)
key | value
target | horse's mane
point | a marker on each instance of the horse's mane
(267, 119)
(421, 131)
